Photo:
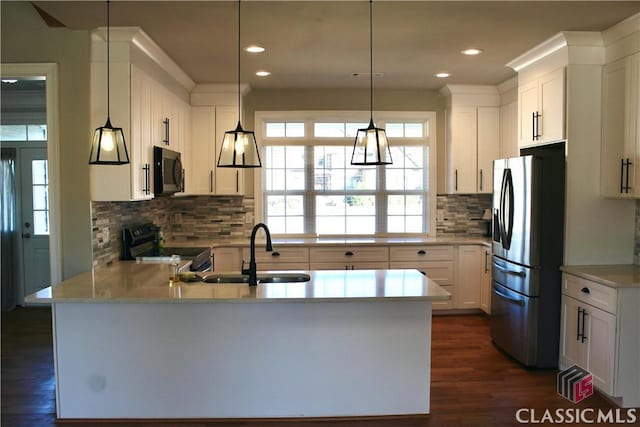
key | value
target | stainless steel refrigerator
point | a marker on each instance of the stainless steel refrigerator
(528, 234)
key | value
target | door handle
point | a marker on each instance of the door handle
(621, 176)
(508, 298)
(512, 272)
(26, 235)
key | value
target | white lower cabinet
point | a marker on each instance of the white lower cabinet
(281, 258)
(227, 259)
(599, 332)
(468, 277)
(348, 257)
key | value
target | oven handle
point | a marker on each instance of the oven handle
(508, 298)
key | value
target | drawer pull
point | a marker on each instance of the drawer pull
(422, 252)
(348, 253)
(586, 290)
(275, 254)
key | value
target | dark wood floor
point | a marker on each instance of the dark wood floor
(473, 383)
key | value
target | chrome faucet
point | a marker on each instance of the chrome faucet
(252, 271)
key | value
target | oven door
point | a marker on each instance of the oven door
(513, 323)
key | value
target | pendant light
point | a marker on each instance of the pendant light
(239, 146)
(108, 146)
(371, 147)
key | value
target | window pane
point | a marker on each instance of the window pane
(413, 205)
(352, 128)
(330, 205)
(361, 225)
(413, 130)
(295, 179)
(277, 179)
(40, 198)
(330, 225)
(275, 130)
(13, 133)
(395, 205)
(41, 223)
(397, 154)
(275, 205)
(295, 205)
(294, 157)
(414, 224)
(413, 179)
(395, 224)
(295, 224)
(37, 132)
(394, 130)
(276, 224)
(295, 130)
(330, 130)
(413, 157)
(276, 157)
(361, 205)
(395, 179)
(39, 171)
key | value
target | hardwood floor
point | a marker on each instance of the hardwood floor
(473, 383)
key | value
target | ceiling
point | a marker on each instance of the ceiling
(320, 44)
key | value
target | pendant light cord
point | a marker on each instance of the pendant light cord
(108, 110)
(371, 56)
(239, 108)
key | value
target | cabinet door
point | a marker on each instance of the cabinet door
(485, 287)
(488, 146)
(600, 330)
(227, 260)
(527, 108)
(139, 146)
(633, 147)
(200, 179)
(572, 350)
(551, 120)
(227, 180)
(509, 130)
(463, 150)
(469, 277)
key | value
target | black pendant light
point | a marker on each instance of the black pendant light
(108, 146)
(371, 147)
(239, 146)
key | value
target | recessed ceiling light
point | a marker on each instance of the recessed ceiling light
(442, 75)
(254, 49)
(471, 51)
(9, 81)
(263, 73)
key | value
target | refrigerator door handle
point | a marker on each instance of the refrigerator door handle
(508, 298)
(512, 272)
(507, 226)
(503, 236)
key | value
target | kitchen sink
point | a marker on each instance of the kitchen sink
(262, 278)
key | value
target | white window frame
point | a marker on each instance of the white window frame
(380, 118)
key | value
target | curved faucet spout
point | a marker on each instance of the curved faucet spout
(252, 271)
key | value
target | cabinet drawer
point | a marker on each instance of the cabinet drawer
(279, 255)
(350, 254)
(266, 266)
(363, 265)
(444, 305)
(421, 253)
(591, 293)
(440, 272)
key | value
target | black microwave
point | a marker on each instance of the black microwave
(168, 174)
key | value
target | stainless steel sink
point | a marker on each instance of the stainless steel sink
(262, 278)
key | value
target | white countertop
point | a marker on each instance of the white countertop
(615, 276)
(131, 282)
(325, 241)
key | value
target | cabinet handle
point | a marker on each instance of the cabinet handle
(533, 126)
(537, 126)
(584, 315)
(275, 254)
(621, 176)
(486, 262)
(585, 290)
(456, 183)
(166, 131)
(422, 252)
(210, 181)
(578, 324)
(182, 181)
(237, 182)
(348, 253)
(480, 179)
(627, 184)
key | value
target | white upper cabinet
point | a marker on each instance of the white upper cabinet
(137, 101)
(473, 137)
(620, 128)
(541, 109)
(208, 125)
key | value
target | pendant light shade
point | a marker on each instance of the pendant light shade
(239, 146)
(371, 147)
(108, 146)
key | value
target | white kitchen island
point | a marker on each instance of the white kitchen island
(129, 344)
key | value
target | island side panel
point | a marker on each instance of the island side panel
(145, 360)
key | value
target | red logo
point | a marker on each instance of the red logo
(575, 384)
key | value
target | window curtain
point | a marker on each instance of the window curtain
(8, 229)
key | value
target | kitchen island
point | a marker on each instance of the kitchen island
(130, 344)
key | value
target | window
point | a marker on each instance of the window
(40, 189)
(309, 187)
(31, 132)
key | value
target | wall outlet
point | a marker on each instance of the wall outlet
(105, 235)
(440, 215)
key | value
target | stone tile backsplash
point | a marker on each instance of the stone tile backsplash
(180, 218)
(461, 214)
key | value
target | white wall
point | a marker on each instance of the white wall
(26, 38)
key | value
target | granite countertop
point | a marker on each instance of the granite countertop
(298, 241)
(615, 276)
(128, 281)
